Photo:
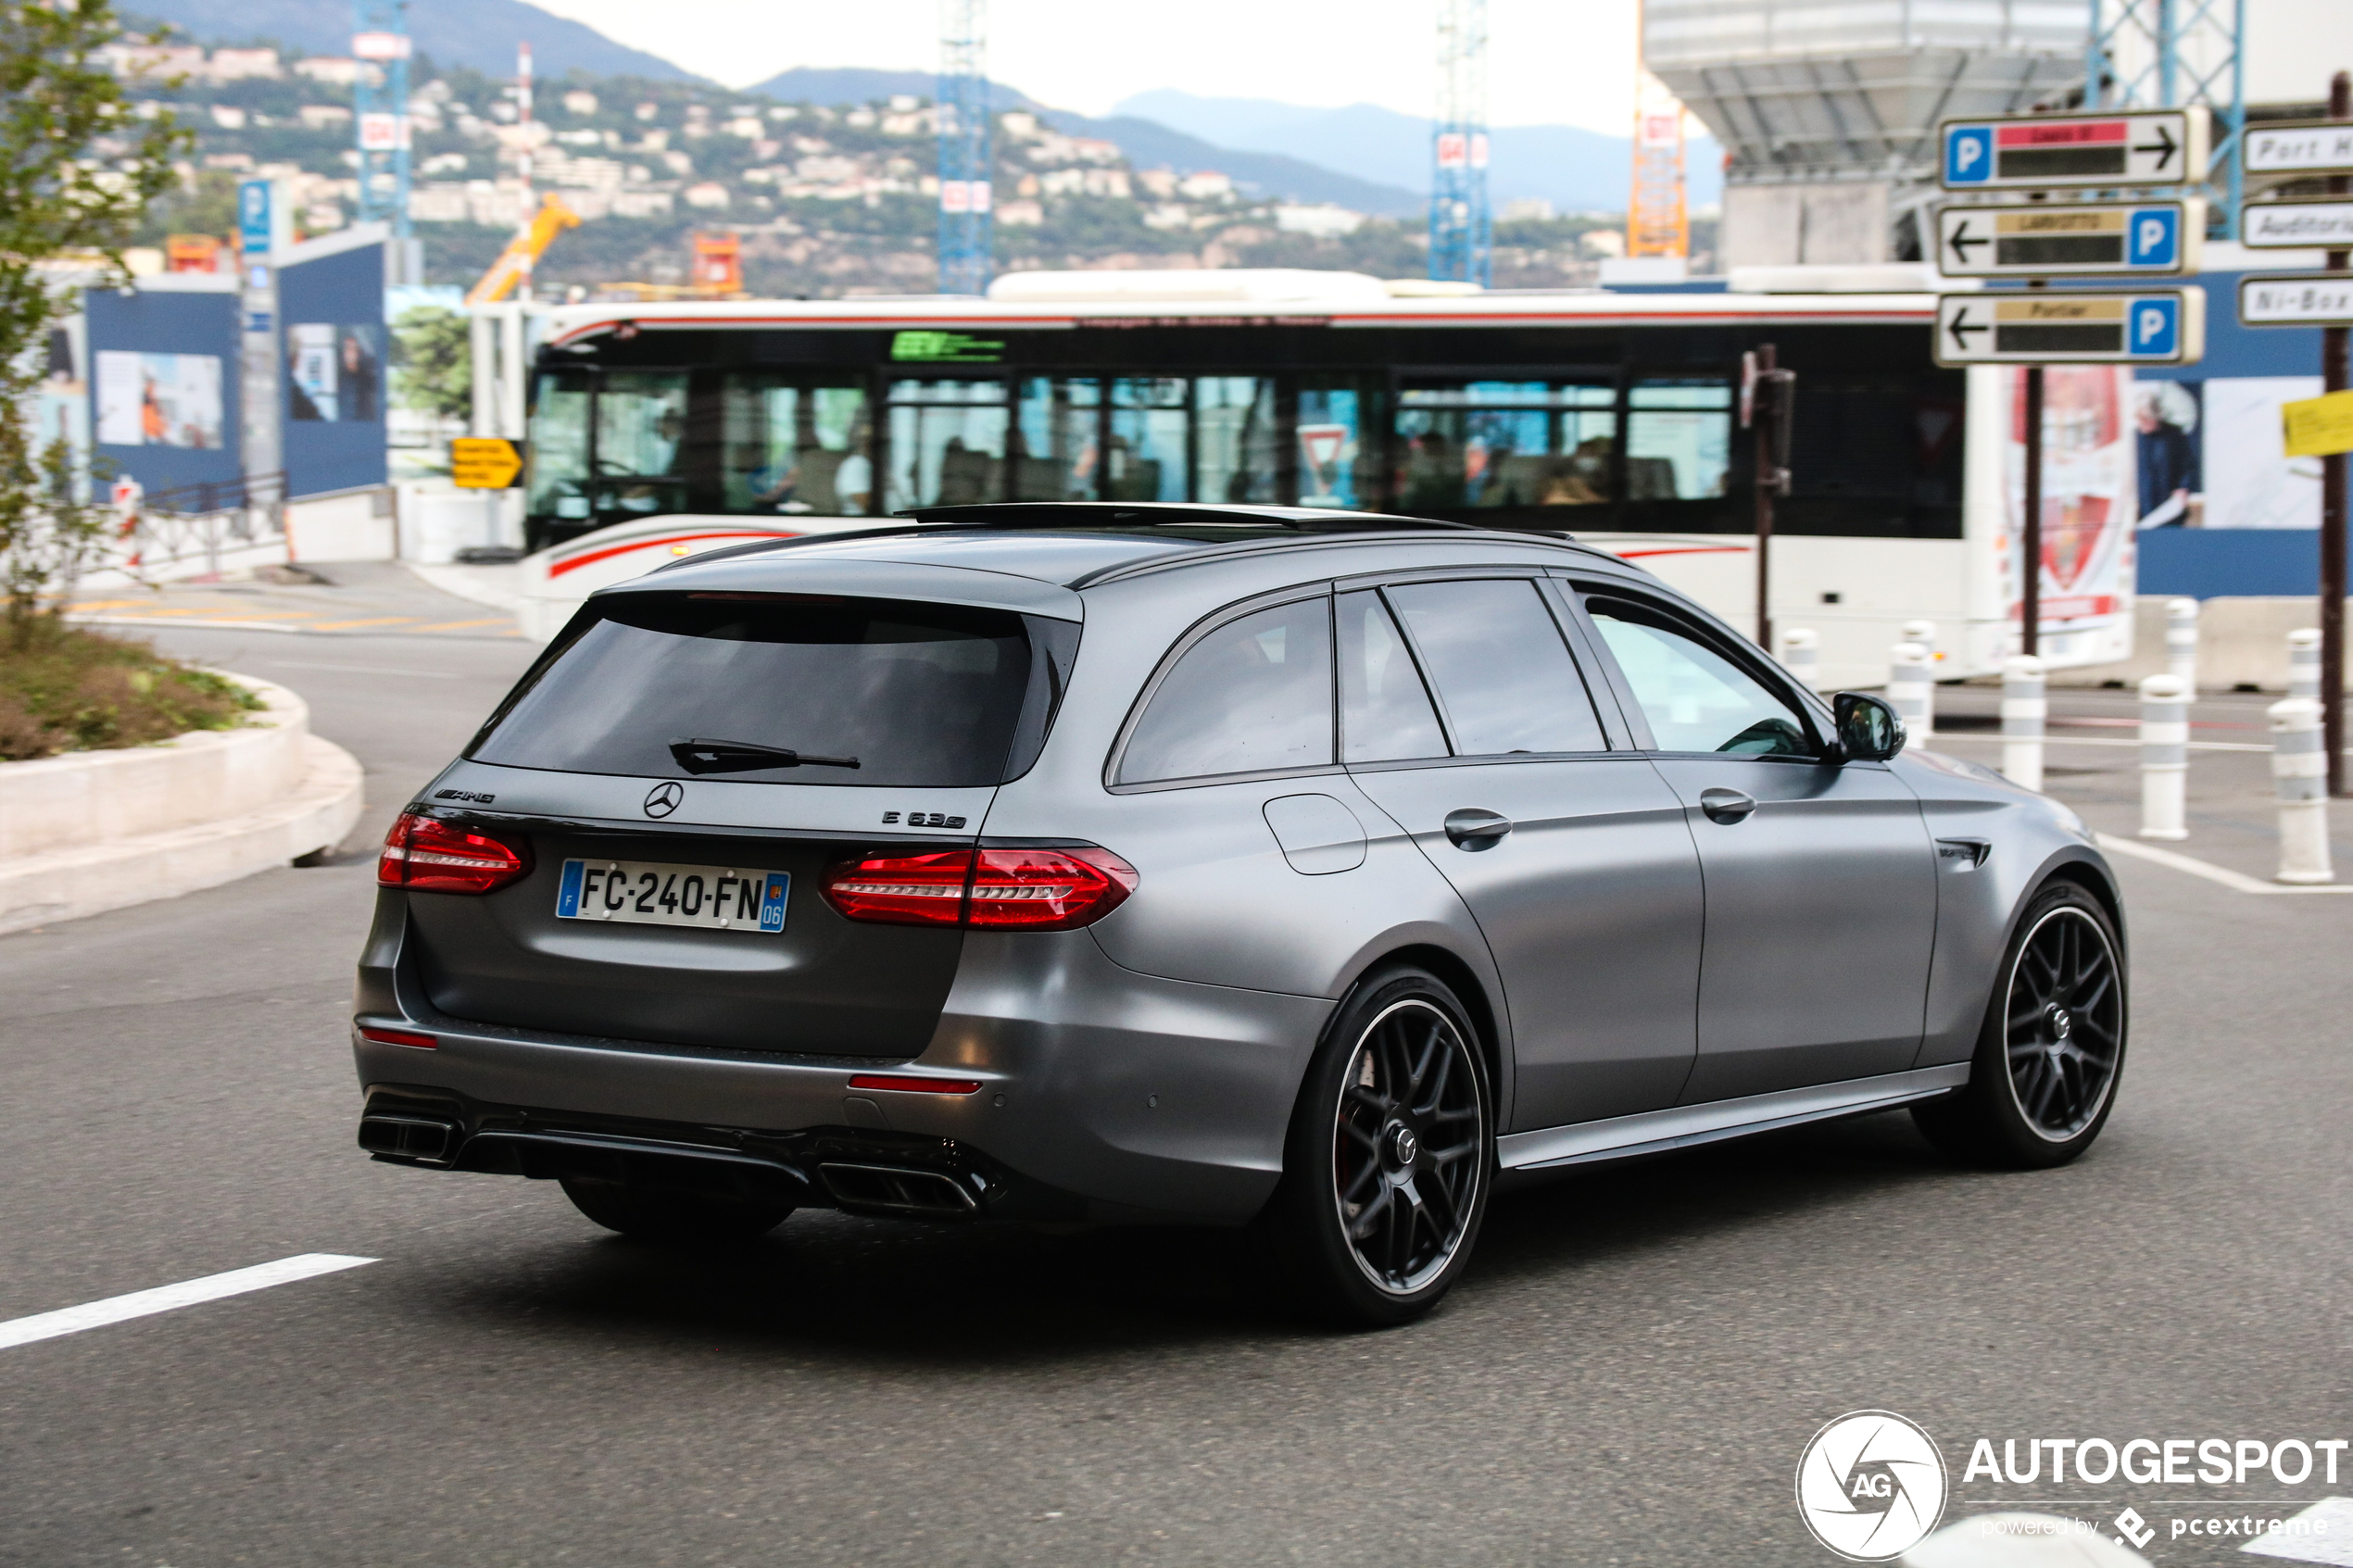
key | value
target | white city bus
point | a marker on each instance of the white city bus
(662, 430)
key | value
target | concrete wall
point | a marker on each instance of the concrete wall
(2241, 642)
(1831, 222)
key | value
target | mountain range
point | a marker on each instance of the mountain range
(1363, 156)
(1574, 168)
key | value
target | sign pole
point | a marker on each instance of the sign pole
(2029, 534)
(2333, 519)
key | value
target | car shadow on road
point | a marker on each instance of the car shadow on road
(914, 1296)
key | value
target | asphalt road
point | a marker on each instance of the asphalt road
(1627, 1375)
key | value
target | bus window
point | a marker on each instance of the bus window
(1679, 440)
(794, 448)
(1505, 444)
(557, 485)
(641, 434)
(1057, 438)
(1234, 439)
(1331, 446)
(1144, 458)
(946, 443)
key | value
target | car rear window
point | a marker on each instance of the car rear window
(916, 694)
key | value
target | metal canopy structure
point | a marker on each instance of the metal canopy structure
(2176, 53)
(1817, 89)
(1461, 224)
(965, 208)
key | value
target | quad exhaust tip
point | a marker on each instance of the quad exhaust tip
(898, 1190)
(423, 1138)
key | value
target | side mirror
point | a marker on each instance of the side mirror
(1869, 728)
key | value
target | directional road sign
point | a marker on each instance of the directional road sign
(2300, 146)
(484, 462)
(2151, 239)
(2071, 327)
(2049, 150)
(2323, 300)
(2297, 225)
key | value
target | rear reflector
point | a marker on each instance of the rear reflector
(427, 855)
(398, 1037)
(913, 1085)
(993, 889)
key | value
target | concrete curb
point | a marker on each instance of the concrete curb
(317, 803)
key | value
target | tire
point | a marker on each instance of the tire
(1389, 1159)
(2051, 1052)
(670, 1216)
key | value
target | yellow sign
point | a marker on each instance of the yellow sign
(485, 463)
(2319, 427)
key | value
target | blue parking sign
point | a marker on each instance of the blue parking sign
(1969, 154)
(253, 217)
(2156, 328)
(2153, 239)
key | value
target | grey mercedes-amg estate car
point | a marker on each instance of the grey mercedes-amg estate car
(1245, 866)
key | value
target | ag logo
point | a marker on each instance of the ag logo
(664, 799)
(1871, 1486)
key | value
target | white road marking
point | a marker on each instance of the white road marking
(367, 669)
(2239, 881)
(2323, 1533)
(164, 1298)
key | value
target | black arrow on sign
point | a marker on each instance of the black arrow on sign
(1962, 326)
(1962, 239)
(2165, 147)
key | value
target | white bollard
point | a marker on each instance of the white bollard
(2165, 757)
(1802, 656)
(2303, 664)
(1924, 634)
(2181, 641)
(2024, 710)
(1907, 687)
(2299, 772)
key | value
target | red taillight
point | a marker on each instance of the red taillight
(1048, 889)
(902, 889)
(399, 1038)
(908, 1084)
(996, 889)
(427, 855)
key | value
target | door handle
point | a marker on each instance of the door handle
(1726, 806)
(1474, 829)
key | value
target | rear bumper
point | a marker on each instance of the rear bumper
(1105, 1094)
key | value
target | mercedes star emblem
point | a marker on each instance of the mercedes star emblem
(664, 799)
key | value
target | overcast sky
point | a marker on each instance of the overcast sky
(1550, 62)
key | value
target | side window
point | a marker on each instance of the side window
(1385, 711)
(1503, 673)
(1694, 698)
(1254, 695)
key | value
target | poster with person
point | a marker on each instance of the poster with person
(2165, 417)
(335, 373)
(158, 399)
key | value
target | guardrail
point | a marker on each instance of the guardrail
(193, 523)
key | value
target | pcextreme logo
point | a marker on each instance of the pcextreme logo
(1870, 1486)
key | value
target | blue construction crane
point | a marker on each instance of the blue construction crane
(2177, 53)
(962, 108)
(1462, 247)
(380, 38)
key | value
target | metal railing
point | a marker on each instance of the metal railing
(197, 522)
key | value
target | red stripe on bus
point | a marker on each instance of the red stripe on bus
(1685, 550)
(576, 562)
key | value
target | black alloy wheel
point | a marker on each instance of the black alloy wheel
(1390, 1156)
(2052, 1048)
(2064, 1025)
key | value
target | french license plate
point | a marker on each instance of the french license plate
(648, 893)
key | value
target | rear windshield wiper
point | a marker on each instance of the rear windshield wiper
(699, 757)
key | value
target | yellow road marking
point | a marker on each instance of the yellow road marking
(379, 621)
(462, 625)
(105, 604)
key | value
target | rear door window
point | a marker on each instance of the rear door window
(1254, 696)
(912, 693)
(1505, 678)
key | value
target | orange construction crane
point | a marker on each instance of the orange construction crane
(524, 252)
